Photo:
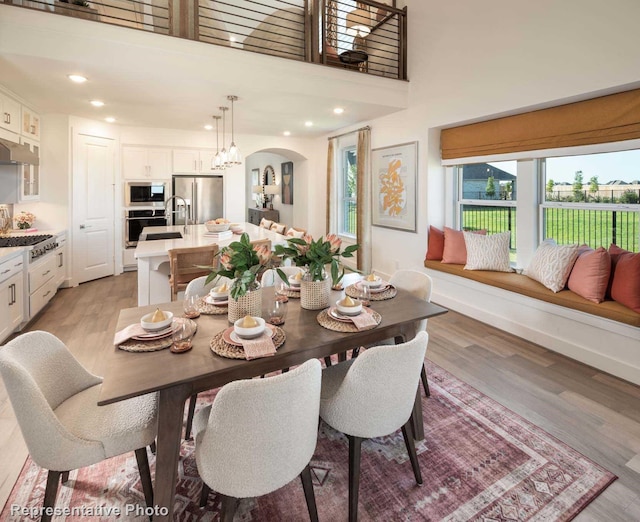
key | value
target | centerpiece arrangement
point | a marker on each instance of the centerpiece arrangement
(314, 256)
(242, 262)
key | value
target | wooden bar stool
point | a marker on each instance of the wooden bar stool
(184, 266)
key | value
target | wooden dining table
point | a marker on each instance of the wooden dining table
(175, 377)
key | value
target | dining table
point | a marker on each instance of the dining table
(178, 376)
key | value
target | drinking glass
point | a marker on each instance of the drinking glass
(277, 310)
(182, 335)
(364, 294)
(190, 305)
(281, 289)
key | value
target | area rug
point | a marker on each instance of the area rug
(479, 460)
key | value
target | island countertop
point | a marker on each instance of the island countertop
(153, 256)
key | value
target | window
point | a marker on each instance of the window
(592, 199)
(347, 192)
(487, 195)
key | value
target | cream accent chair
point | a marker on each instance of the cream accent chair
(373, 396)
(258, 435)
(55, 401)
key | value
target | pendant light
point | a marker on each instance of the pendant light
(234, 157)
(216, 162)
(223, 153)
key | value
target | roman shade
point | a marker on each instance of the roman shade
(600, 120)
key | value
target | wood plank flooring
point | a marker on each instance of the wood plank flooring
(593, 412)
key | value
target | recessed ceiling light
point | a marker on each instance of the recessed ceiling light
(110, 119)
(308, 123)
(208, 127)
(232, 38)
(338, 110)
(286, 133)
(77, 78)
(97, 103)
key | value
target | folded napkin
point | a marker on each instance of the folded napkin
(364, 320)
(259, 347)
(127, 333)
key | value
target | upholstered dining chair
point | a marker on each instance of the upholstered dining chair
(184, 262)
(55, 401)
(373, 396)
(258, 435)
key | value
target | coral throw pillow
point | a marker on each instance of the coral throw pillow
(435, 245)
(625, 286)
(455, 251)
(552, 264)
(488, 252)
(590, 275)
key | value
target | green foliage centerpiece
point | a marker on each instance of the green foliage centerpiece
(315, 256)
(242, 262)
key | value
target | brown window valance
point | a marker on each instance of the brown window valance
(600, 120)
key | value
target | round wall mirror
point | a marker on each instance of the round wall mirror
(269, 176)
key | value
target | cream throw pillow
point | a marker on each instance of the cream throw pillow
(552, 264)
(292, 232)
(278, 228)
(265, 223)
(487, 252)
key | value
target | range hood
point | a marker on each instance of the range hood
(16, 154)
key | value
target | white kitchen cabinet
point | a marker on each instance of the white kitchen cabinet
(61, 259)
(192, 161)
(146, 163)
(30, 183)
(42, 282)
(11, 296)
(10, 114)
(30, 124)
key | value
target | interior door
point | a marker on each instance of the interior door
(93, 208)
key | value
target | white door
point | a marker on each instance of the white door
(93, 213)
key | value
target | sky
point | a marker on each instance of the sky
(609, 166)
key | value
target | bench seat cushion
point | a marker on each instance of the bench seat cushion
(523, 285)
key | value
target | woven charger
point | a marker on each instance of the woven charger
(155, 344)
(389, 293)
(328, 322)
(209, 309)
(222, 348)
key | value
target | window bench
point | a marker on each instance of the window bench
(605, 335)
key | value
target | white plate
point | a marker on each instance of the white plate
(230, 335)
(384, 285)
(218, 302)
(333, 312)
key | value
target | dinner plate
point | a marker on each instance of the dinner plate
(333, 312)
(152, 336)
(231, 337)
(217, 302)
(384, 286)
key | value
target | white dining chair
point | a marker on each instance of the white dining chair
(270, 277)
(258, 435)
(55, 402)
(373, 396)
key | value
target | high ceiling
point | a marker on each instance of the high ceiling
(149, 80)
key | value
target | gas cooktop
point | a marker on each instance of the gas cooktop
(21, 241)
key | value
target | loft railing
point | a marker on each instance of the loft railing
(366, 36)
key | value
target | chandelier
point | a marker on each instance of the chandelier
(217, 163)
(233, 157)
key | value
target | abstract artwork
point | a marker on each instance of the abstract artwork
(394, 175)
(287, 183)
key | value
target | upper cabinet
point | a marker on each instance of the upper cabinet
(30, 182)
(146, 163)
(30, 124)
(191, 161)
(10, 114)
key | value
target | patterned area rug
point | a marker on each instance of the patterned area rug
(479, 461)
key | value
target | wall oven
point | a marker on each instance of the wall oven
(145, 193)
(136, 220)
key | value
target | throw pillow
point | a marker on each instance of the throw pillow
(278, 228)
(625, 286)
(292, 232)
(590, 275)
(488, 252)
(435, 245)
(265, 223)
(455, 251)
(614, 252)
(552, 264)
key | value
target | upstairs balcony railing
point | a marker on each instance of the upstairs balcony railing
(367, 36)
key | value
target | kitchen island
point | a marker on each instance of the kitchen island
(153, 256)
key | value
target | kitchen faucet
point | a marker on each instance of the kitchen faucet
(187, 213)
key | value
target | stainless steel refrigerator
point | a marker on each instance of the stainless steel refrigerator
(203, 195)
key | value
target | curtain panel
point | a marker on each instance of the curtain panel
(363, 224)
(600, 120)
(331, 197)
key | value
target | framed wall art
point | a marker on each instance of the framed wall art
(394, 172)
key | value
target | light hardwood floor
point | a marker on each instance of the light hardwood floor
(595, 413)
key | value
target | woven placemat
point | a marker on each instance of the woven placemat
(155, 345)
(294, 294)
(222, 348)
(328, 322)
(209, 309)
(389, 293)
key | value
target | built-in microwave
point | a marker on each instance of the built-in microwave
(147, 193)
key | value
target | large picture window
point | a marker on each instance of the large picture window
(348, 191)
